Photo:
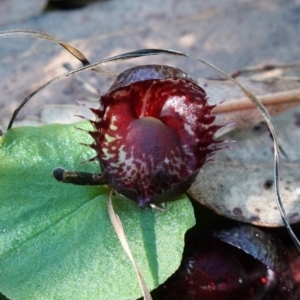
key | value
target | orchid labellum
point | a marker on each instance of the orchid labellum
(152, 134)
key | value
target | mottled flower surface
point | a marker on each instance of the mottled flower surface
(153, 132)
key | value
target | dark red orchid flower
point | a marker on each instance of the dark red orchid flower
(153, 132)
(241, 263)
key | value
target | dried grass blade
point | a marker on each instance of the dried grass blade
(117, 224)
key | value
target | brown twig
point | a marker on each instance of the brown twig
(268, 99)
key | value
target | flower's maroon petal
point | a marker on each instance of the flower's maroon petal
(153, 135)
(187, 112)
(131, 149)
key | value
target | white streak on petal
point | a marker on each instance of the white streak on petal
(188, 128)
(113, 127)
(107, 155)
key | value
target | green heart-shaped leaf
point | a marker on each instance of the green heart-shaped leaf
(56, 239)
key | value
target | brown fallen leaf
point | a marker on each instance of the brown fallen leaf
(239, 183)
